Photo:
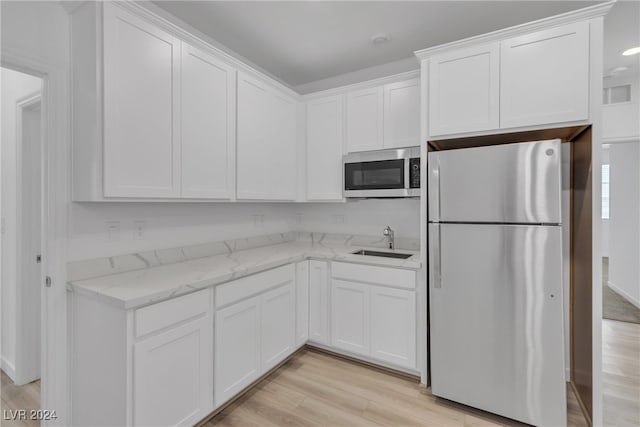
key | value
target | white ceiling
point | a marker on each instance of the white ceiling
(305, 41)
(621, 32)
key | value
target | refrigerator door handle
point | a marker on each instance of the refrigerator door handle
(435, 256)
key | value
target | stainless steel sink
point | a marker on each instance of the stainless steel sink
(382, 254)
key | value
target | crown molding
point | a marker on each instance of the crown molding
(584, 14)
(414, 74)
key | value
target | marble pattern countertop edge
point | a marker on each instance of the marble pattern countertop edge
(137, 288)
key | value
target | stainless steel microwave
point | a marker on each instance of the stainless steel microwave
(384, 173)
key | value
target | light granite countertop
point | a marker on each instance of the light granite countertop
(132, 289)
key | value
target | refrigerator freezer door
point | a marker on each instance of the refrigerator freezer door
(511, 183)
(496, 320)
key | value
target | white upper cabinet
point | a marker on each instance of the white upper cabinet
(402, 114)
(376, 118)
(324, 148)
(525, 81)
(545, 77)
(282, 151)
(365, 119)
(208, 125)
(464, 90)
(266, 142)
(141, 118)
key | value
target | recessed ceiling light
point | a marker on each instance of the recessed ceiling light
(631, 51)
(380, 38)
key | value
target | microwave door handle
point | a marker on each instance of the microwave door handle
(407, 173)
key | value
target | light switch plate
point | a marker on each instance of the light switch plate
(113, 231)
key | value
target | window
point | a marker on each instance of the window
(605, 191)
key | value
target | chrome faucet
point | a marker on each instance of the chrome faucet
(389, 233)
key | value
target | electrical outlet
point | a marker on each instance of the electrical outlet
(258, 220)
(139, 230)
(113, 230)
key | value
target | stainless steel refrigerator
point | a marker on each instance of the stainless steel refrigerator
(495, 280)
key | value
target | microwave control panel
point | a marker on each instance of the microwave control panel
(414, 172)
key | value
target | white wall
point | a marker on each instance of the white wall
(15, 86)
(624, 223)
(168, 225)
(368, 217)
(605, 222)
(622, 120)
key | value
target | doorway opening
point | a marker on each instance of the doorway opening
(21, 208)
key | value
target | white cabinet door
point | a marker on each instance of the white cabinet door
(302, 303)
(277, 325)
(172, 378)
(365, 119)
(464, 90)
(208, 125)
(237, 348)
(266, 142)
(141, 99)
(252, 139)
(324, 148)
(402, 114)
(393, 326)
(545, 77)
(281, 152)
(318, 302)
(350, 325)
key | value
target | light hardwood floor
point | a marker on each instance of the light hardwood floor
(12, 398)
(315, 389)
(621, 373)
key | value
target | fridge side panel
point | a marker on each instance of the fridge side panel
(496, 320)
(511, 183)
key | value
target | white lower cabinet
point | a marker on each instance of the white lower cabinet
(350, 316)
(237, 348)
(172, 376)
(302, 302)
(277, 326)
(149, 366)
(318, 302)
(393, 325)
(371, 320)
(254, 329)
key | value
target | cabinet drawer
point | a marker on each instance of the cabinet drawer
(252, 285)
(395, 277)
(167, 313)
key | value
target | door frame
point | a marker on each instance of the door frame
(55, 179)
(25, 323)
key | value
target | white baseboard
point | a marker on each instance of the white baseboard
(9, 369)
(625, 295)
